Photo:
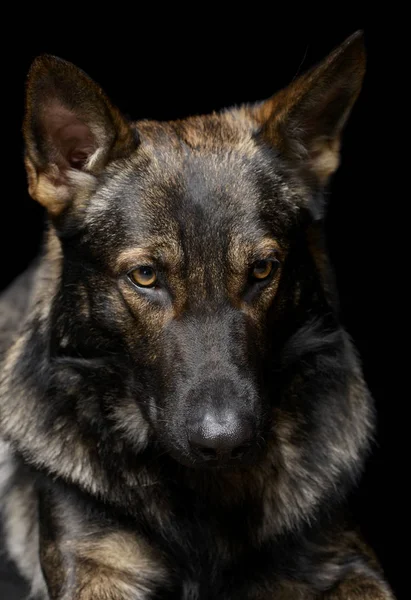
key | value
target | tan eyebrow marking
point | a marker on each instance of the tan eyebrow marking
(250, 252)
(133, 257)
(265, 248)
(166, 251)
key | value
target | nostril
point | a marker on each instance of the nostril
(220, 455)
(240, 451)
(207, 453)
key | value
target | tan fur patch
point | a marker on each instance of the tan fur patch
(119, 551)
(360, 588)
(115, 566)
(324, 159)
(53, 191)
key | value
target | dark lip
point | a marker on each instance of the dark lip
(222, 466)
(191, 462)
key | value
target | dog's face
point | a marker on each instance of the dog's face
(185, 248)
(192, 246)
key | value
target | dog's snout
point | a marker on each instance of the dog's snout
(219, 434)
(221, 421)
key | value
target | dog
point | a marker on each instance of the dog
(182, 414)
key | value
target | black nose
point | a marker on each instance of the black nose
(222, 435)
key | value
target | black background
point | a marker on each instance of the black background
(204, 64)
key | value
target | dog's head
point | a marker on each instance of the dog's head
(190, 257)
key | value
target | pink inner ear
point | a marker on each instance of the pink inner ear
(71, 138)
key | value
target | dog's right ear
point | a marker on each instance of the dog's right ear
(71, 131)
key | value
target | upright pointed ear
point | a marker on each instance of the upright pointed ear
(71, 132)
(304, 121)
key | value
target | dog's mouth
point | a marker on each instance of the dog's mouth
(216, 460)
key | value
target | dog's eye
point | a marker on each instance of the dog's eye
(263, 269)
(143, 276)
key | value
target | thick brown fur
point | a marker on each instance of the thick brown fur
(103, 381)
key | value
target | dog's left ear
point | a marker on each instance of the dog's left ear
(71, 132)
(305, 120)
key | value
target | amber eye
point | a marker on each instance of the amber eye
(143, 276)
(262, 269)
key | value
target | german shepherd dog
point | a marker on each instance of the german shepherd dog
(182, 413)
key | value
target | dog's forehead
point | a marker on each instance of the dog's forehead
(207, 177)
